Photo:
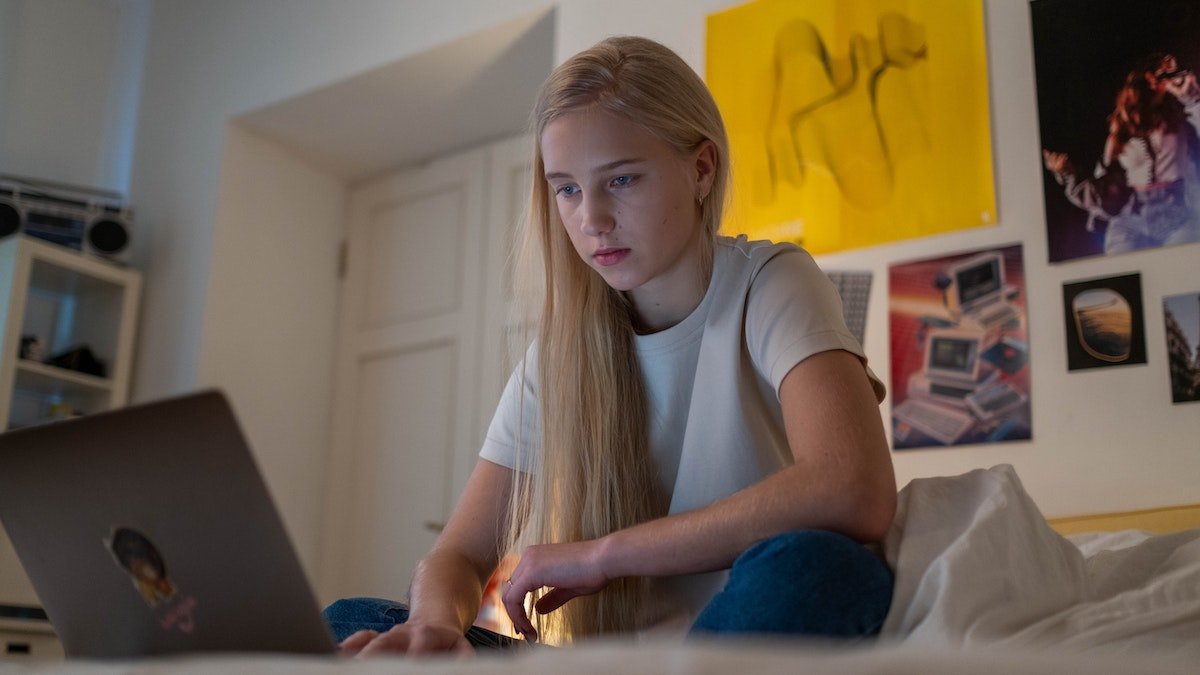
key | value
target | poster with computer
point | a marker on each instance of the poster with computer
(959, 338)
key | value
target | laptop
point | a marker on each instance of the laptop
(148, 530)
(978, 290)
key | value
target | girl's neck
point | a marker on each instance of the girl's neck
(655, 307)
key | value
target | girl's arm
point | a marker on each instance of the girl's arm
(448, 585)
(842, 481)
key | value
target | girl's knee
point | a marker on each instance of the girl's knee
(809, 582)
(802, 547)
(808, 561)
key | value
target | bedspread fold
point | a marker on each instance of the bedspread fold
(977, 564)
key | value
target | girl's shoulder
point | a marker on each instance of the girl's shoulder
(747, 247)
(740, 251)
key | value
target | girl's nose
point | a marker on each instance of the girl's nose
(597, 217)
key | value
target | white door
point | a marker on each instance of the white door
(406, 366)
(506, 334)
(417, 363)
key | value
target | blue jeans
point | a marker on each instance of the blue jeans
(350, 615)
(810, 582)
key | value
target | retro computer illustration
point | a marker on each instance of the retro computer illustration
(957, 390)
(979, 297)
(963, 367)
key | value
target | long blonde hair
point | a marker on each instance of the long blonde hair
(593, 473)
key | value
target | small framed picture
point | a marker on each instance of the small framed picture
(1104, 322)
(1181, 317)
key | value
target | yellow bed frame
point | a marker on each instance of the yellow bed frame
(1162, 520)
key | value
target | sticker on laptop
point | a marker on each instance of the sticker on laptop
(141, 560)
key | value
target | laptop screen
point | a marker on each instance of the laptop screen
(978, 279)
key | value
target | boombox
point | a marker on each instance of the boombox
(93, 221)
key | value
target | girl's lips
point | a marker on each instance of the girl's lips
(607, 257)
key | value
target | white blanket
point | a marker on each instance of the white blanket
(976, 564)
(624, 658)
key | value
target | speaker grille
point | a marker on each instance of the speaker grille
(10, 219)
(108, 236)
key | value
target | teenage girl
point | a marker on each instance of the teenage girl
(694, 439)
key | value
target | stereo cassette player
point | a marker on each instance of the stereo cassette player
(96, 222)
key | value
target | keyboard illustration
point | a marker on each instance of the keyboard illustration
(994, 315)
(939, 422)
(995, 400)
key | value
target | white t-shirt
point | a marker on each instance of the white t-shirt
(712, 382)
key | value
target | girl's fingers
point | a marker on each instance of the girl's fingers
(353, 644)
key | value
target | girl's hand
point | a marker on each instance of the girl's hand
(1056, 162)
(414, 639)
(568, 570)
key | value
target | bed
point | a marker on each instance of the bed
(984, 584)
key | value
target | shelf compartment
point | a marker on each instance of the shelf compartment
(54, 380)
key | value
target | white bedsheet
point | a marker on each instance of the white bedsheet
(621, 658)
(977, 564)
(983, 586)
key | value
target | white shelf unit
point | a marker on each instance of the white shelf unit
(28, 641)
(67, 300)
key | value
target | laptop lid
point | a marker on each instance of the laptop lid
(149, 530)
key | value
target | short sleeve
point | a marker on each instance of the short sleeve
(516, 423)
(793, 312)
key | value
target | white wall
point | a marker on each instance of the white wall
(1102, 440)
(268, 338)
(69, 75)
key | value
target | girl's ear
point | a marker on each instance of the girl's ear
(704, 167)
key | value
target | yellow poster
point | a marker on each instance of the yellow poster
(854, 122)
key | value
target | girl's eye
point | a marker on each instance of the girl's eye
(567, 190)
(621, 181)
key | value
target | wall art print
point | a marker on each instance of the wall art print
(1181, 319)
(1104, 321)
(854, 122)
(1119, 109)
(854, 288)
(960, 349)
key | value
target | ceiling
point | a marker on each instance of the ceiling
(458, 95)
